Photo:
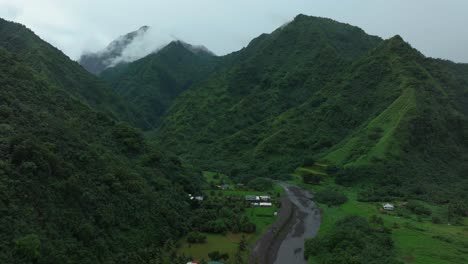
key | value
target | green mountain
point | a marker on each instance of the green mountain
(60, 71)
(320, 89)
(76, 186)
(153, 82)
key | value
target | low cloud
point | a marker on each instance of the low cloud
(144, 43)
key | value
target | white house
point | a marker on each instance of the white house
(252, 198)
(198, 198)
(388, 207)
(265, 198)
(266, 204)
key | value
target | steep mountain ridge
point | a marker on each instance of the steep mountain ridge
(153, 82)
(99, 61)
(60, 71)
(75, 184)
(322, 89)
(273, 74)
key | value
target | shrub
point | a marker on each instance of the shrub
(331, 197)
(216, 256)
(418, 208)
(436, 220)
(332, 169)
(312, 178)
(308, 161)
(260, 184)
(28, 246)
(196, 238)
(352, 240)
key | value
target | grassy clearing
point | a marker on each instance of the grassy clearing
(416, 241)
(224, 243)
(262, 217)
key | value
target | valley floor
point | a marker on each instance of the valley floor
(417, 239)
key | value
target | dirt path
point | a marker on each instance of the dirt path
(283, 242)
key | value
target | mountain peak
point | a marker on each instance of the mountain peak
(96, 62)
(397, 44)
(144, 28)
(196, 49)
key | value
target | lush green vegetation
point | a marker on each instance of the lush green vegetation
(330, 197)
(153, 82)
(61, 72)
(353, 240)
(224, 220)
(76, 186)
(80, 183)
(318, 90)
(417, 238)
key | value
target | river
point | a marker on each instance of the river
(283, 242)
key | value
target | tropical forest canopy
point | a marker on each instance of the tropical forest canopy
(97, 169)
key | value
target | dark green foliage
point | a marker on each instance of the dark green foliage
(418, 208)
(332, 170)
(28, 247)
(260, 184)
(330, 197)
(75, 186)
(60, 71)
(352, 240)
(311, 178)
(436, 220)
(217, 256)
(255, 115)
(153, 82)
(196, 238)
(219, 215)
(308, 161)
(130, 137)
(319, 88)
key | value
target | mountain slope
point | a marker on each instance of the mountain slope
(274, 74)
(318, 88)
(153, 82)
(75, 185)
(99, 61)
(59, 70)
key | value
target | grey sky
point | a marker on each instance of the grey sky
(436, 28)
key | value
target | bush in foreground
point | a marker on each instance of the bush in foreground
(331, 197)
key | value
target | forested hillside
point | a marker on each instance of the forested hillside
(77, 186)
(318, 89)
(153, 82)
(60, 71)
(81, 183)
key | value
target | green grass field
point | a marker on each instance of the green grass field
(223, 243)
(416, 241)
(262, 217)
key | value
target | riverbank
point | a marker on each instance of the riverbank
(283, 242)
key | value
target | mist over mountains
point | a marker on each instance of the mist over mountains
(130, 47)
(96, 165)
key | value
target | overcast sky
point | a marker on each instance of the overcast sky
(436, 28)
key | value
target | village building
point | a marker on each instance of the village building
(252, 198)
(388, 207)
(198, 197)
(265, 198)
(224, 187)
